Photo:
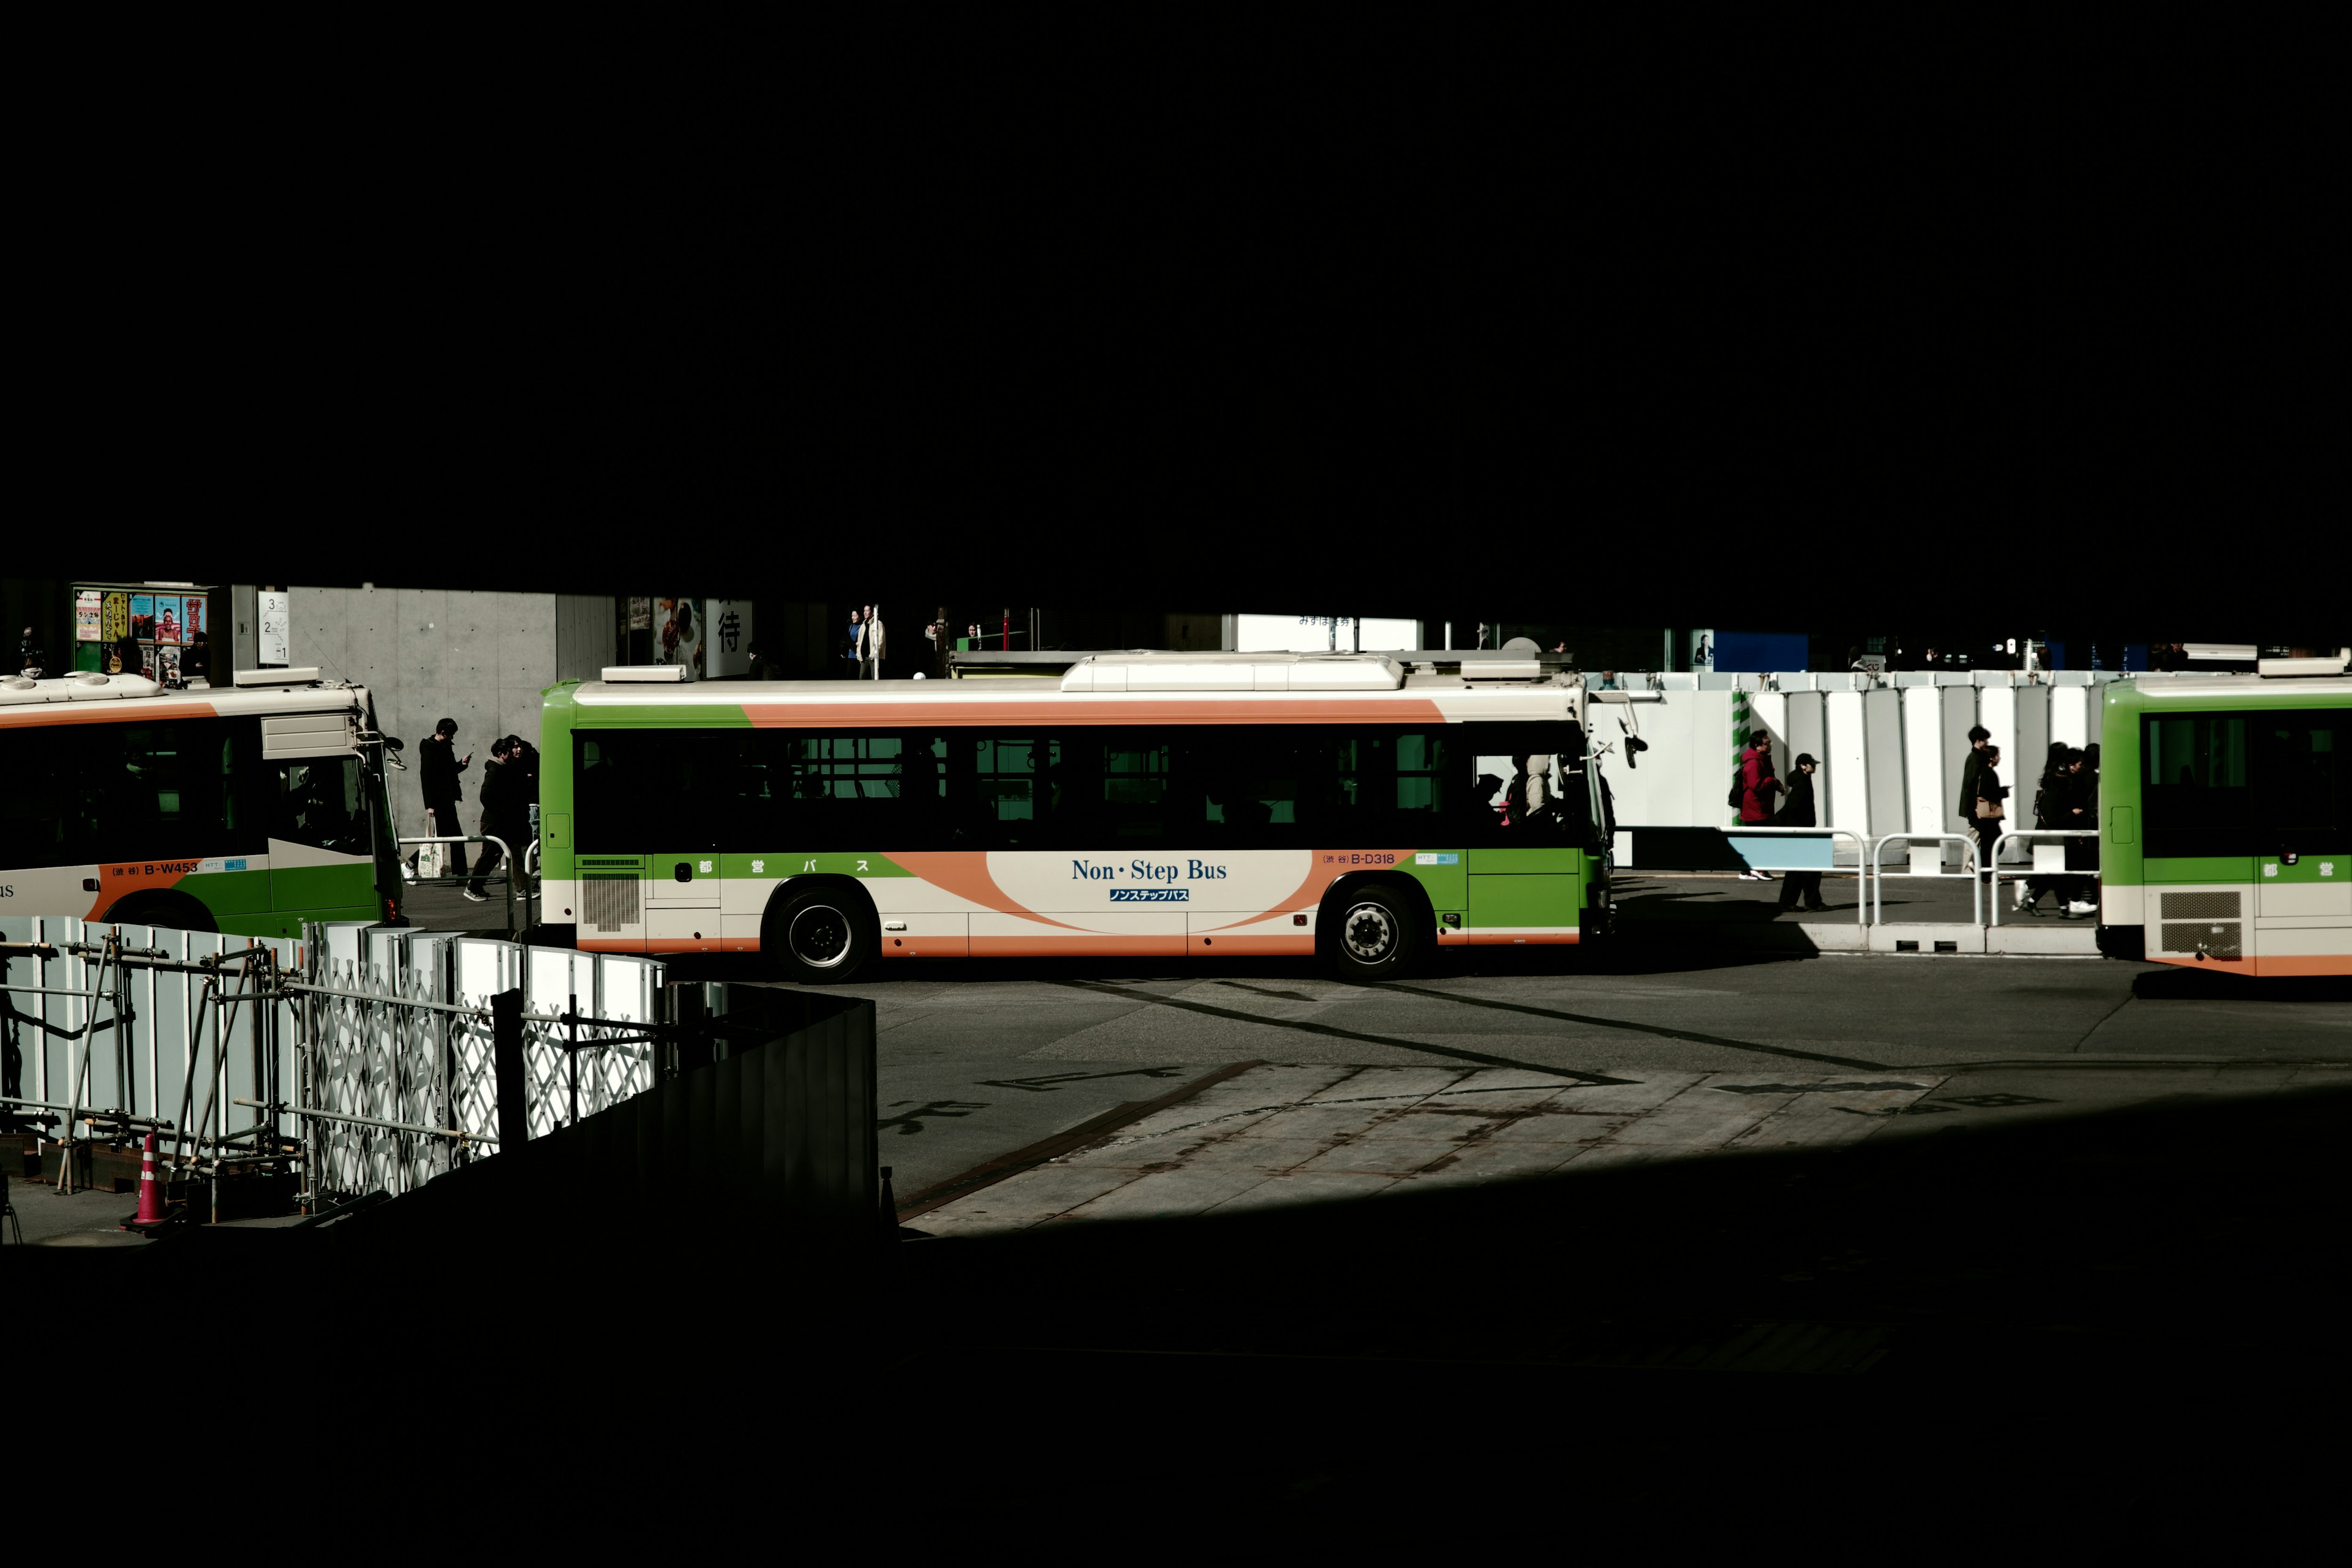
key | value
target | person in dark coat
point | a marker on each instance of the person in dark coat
(1978, 738)
(1800, 889)
(2053, 807)
(437, 760)
(504, 789)
(196, 659)
(1990, 794)
(2082, 812)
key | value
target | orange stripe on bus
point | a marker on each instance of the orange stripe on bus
(2271, 968)
(1168, 945)
(964, 873)
(29, 714)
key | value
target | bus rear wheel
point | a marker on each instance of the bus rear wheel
(1374, 934)
(821, 937)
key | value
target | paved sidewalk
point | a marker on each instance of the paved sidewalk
(1283, 1135)
(1278, 1136)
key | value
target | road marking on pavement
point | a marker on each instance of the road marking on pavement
(1659, 1031)
(1333, 1031)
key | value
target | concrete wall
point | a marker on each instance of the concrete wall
(431, 653)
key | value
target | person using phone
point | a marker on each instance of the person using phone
(439, 762)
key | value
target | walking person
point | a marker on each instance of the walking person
(2054, 797)
(874, 645)
(1757, 786)
(438, 762)
(856, 641)
(500, 777)
(2083, 854)
(1799, 890)
(1978, 738)
(1987, 810)
(196, 659)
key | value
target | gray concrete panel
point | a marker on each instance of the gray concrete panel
(316, 633)
(469, 658)
(2032, 752)
(1807, 731)
(421, 628)
(371, 643)
(1881, 720)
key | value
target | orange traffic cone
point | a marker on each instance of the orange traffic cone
(151, 1189)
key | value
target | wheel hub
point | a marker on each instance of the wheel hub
(1370, 934)
(820, 937)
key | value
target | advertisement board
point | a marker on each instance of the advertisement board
(678, 633)
(152, 616)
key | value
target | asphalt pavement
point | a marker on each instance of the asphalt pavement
(982, 1057)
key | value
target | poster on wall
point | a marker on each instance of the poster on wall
(165, 666)
(679, 639)
(193, 620)
(86, 606)
(167, 618)
(1702, 650)
(641, 615)
(276, 612)
(142, 617)
(728, 648)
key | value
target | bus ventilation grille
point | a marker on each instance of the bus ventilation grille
(609, 902)
(2210, 937)
(2201, 907)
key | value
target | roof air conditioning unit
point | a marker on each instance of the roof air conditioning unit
(661, 674)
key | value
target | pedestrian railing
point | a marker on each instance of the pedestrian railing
(520, 879)
(1762, 856)
(2049, 858)
(1878, 873)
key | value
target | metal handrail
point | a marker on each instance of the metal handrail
(1860, 845)
(516, 870)
(2009, 833)
(1878, 872)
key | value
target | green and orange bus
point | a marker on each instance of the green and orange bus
(2225, 832)
(244, 810)
(1144, 805)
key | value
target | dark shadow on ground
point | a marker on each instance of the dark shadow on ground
(2128, 1298)
(2171, 981)
(1614, 958)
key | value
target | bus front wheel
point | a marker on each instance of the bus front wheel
(820, 937)
(1375, 935)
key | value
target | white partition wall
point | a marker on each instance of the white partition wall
(2070, 713)
(1846, 765)
(1923, 754)
(1712, 757)
(1997, 711)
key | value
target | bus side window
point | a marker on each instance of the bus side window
(34, 804)
(147, 791)
(319, 805)
(1019, 782)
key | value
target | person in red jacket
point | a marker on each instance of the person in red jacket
(1757, 786)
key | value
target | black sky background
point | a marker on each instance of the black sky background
(1667, 318)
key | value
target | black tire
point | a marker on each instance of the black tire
(1371, 933)
(172, 911)
(821, 937)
